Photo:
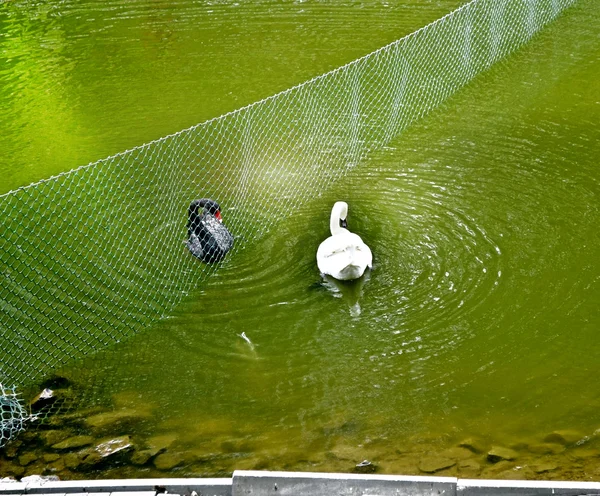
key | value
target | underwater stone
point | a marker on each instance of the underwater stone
(111, 447)
(142, 457)
(157, 445)
(74, 442)
(26, 459)
(471, 466)
(72, 460)
(546, 448)
(493, 471)
(457, 453)
(167, 461)
(83, 460)
(89, 459)
(498, 453)
(564, 437)
(50, 457)
(54, 436)
(12, 449)
(581, 454)
(161, 443)
(113, 421)
(472, 444)
(75, 418)
(516, 473)
(56, 466)
(12, 469)
(365, 467)
(432, 464)
(544, 467)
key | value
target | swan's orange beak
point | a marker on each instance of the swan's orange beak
(218, 216)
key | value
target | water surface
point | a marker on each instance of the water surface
(84, 80)
(479, 319)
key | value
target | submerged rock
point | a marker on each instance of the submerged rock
(564, 437)
(50, 457)
(12, 469)
(582, 454)
(544, 467)
(161, 443)
(469, 467)
(516, 473)
(432, 464)
(54, 436)
(56, 466)
(11, 450)
(154, 446)
(116, 421)
(109, 451)
(168, 461)
(492, 471)
(111, 447)
(457, 453)
(74, 419)
(474, 445)
(498, 453)
(365, 467)
(74, 460)
(73, 443)
(27, 458)
(89, 459)
(142, 457)
(546, 448)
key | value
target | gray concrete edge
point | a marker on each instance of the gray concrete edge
(263, 483)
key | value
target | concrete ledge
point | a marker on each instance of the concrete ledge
(259, 483)
(138, 487)
(477, 487)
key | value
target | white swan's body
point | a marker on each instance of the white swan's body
(343, 255)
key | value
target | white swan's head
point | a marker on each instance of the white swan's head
(337, 222)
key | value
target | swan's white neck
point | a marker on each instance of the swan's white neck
(339, 211)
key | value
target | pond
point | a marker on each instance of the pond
(468, 350)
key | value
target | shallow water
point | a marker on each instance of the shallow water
(479, 318)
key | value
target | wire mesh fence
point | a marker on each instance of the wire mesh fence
(92, 256)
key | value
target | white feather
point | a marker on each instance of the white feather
(343, 255)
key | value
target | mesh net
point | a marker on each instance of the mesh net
(12, 414)
(92, 256)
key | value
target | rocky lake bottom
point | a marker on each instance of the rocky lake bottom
(122, 441)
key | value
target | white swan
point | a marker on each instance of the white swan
(343, 255)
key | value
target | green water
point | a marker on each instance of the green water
(480, 316)
(84, 80)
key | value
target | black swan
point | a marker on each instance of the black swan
(208, 239)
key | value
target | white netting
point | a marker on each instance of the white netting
(94, 255)
(12, 414)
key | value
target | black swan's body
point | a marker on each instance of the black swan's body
(208, 239)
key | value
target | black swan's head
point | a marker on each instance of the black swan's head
(208, 206)
(199, 208)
